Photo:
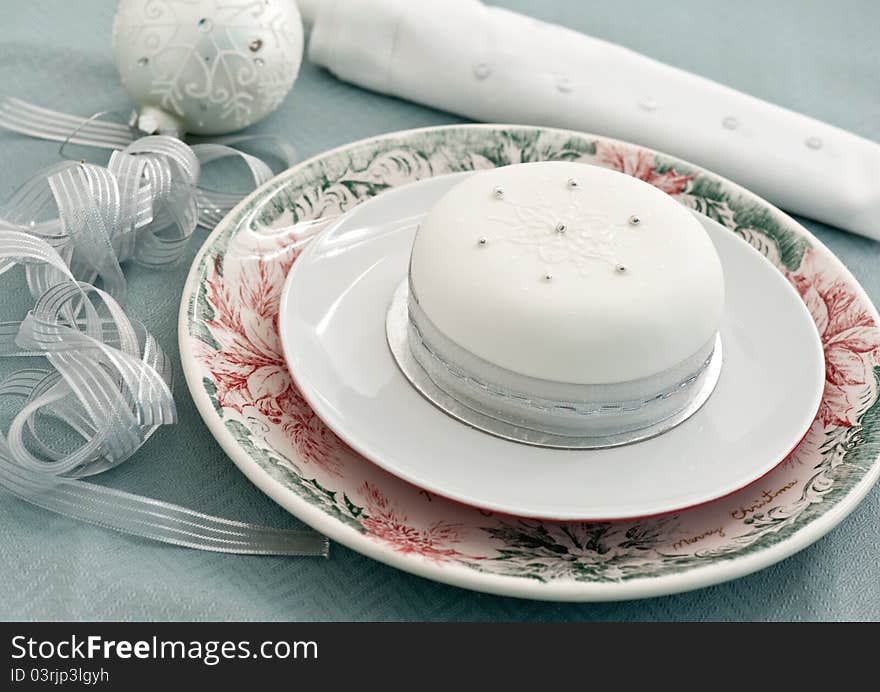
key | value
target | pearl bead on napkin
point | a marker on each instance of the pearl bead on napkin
(495, 65)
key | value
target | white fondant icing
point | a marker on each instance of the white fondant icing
(602, 301)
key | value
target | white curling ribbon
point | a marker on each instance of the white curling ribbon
(28, 119)
(110, 385)
(144, 205)
(110, 381)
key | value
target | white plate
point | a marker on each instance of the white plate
(332, 325)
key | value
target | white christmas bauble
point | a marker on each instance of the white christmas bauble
(206, 66)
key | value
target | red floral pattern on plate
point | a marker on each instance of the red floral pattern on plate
(385, 523)
(850, 338)
(641, 164)
(248, 368)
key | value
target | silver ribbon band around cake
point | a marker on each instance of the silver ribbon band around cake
(537, 411)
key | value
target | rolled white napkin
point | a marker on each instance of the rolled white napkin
(494, 65)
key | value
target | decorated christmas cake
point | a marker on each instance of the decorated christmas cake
(567, 302)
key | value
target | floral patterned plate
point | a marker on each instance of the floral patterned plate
(237, 376)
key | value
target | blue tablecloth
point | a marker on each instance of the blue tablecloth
(813, 56)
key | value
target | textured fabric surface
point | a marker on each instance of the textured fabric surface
(812, 56)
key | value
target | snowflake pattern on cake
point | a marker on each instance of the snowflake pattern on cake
(577, 232)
